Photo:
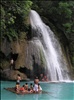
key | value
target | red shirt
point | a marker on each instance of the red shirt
(22, 89)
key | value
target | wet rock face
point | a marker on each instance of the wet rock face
(5, 47)
(28, 59)
(33, 59)
(32, 55)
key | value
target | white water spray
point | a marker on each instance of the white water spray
(46, 39)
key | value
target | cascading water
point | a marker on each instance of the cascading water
(47, 41)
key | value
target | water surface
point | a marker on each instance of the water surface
(56, 91)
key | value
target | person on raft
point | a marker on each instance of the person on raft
(17, 87)
(37, 88)
(18, 78)
(26, 89)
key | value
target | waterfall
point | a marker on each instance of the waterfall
(47, 41)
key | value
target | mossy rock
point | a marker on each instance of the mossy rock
(5, 64)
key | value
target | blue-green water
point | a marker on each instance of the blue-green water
(57, 91)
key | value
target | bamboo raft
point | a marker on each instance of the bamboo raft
(20, 93)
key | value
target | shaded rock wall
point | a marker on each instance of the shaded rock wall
(28, 57)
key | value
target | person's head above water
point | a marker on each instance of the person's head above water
(36, 77)
(36, 80)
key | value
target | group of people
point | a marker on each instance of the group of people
(26, 88)
(43, 77)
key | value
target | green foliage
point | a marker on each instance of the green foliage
(13, 14)
(67, 27)
(2, 19)
(64, 9)
(42, 58)
(11, 34)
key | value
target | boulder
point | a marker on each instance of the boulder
(12, 75)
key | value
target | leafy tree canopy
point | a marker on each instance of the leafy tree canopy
(13, 15)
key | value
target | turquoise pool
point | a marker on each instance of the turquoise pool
(56, 91)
